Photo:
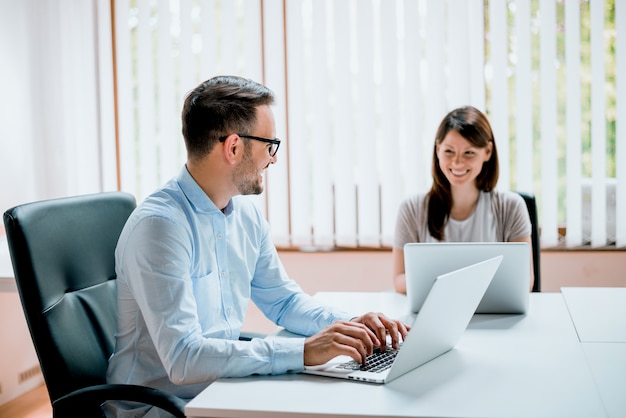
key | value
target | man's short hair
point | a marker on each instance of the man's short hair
(218, 107)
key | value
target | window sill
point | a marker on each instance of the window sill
(584, 248)
(557, 248)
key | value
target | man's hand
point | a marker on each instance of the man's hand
(341, 338)
(383, 326)
(356, 338)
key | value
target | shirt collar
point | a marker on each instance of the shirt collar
(196, 195)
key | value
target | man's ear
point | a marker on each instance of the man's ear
(233, 148)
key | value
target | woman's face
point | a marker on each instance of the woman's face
(461, 161)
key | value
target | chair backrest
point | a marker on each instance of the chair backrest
(531, 204)
(62, 252)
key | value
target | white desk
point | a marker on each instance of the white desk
(598, 313)
(599, 316)
(521, 365)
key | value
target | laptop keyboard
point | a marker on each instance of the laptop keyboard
(377, 362)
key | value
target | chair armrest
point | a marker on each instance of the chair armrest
(87, 401)
(248, 335)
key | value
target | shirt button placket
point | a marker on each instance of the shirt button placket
(219, 225)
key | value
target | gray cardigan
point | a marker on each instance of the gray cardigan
(509, 209)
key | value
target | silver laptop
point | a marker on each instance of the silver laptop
(509, 291)
(445, 314)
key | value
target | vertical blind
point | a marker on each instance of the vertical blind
(57, 119)
(361, 87)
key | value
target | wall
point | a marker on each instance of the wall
(370, 271)
(19, 367)
(582, 268)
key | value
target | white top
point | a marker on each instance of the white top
(479, 227)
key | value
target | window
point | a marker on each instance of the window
(57, 126)
(361, 88)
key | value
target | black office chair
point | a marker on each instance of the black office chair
(63, 258)
(531, 204)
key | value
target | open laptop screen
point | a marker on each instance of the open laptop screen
(509, 291)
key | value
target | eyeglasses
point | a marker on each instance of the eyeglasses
(272, 150)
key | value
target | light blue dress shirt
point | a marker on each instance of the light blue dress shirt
(186, 272)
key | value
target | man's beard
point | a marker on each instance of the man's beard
(246, 176)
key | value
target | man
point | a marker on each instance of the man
(194, 253)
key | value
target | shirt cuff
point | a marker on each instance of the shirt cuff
(288, 355)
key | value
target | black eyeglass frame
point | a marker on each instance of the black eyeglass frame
(274, 141)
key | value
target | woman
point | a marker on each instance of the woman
(462, 204)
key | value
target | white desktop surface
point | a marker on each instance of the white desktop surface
(607, 362)
(599, 316)
(505, 365)
(598, 313)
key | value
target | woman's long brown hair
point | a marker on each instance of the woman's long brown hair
(474, 126)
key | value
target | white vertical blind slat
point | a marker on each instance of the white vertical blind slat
(523, 100)
(435, 61)
(598, 126)
(320, 130)
(125, 104)
(344, 138)
(620, 122)
(187, 72)
(106, 97)
(367, 178)
(67, 98)
(41, 144)
(300, 178)
(252, 60)
(277, 191)
(573, 208)
(549, 231)
(145, 104)
(66, 68)
(458, 54)
(168, 138)
(390, 112)
(230, 37)
(499, 113)
(209, 36)
(476, 53)
(22, 20)
(87, 96)
(415, 141)
(80, 81)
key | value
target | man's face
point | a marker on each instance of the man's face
(248, 175)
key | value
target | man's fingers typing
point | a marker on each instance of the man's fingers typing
(342, 338)
(383, 326)
(356, 338)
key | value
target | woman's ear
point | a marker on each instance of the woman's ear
(489, 150)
